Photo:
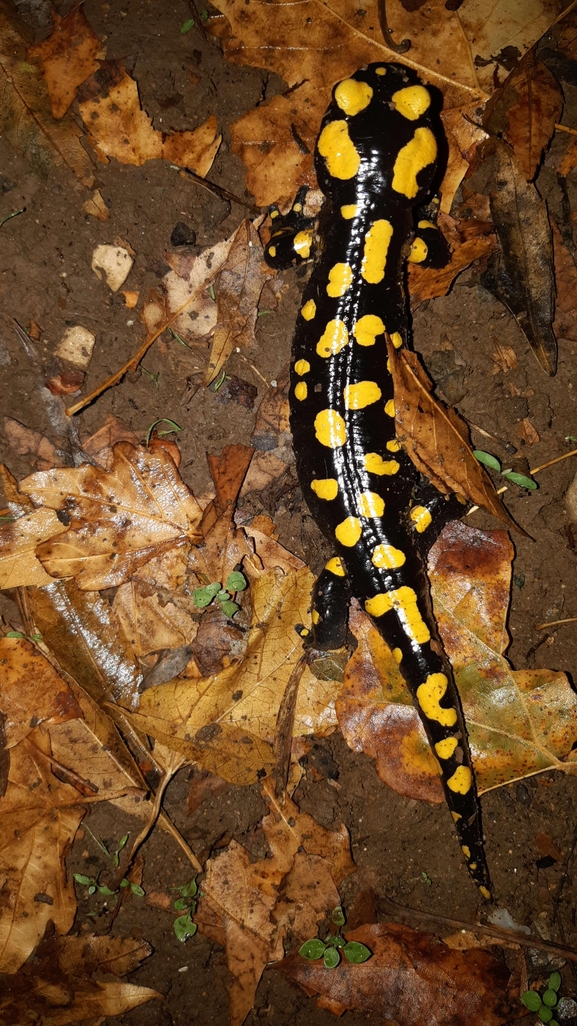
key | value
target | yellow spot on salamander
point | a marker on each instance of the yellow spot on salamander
(369, 504)
(349, 210)
(429, 696)
(274, 213)
(298, 207)
(427, 224)
(334, 338)
(302, 243)
(361, 394)
(485, 893)
(337, 147)
(380, 71)
(446, 747)
(456, 816)
(466, 851)
(397, 655)
(404, 602)
(340, 278)
(419, 252)
(349, 531)
(386, 557)
(412, 101)
(377, 243)
(396, 339)
(375, 464)
(315, 616)
(462, 780)
(334, 566)
(390, 408)
(352, 96)
(309, 310)
(472, 865)
(325, 488)
(303, 367)
(412, 158)
(301, 390)
(421, 518)
(330, 429)
(272, 251)
(367, 328)
(393, 445)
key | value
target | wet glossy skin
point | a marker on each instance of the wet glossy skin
(376, 160)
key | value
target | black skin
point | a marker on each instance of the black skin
(370, 512)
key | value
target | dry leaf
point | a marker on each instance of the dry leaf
(26, 120)
(411, 978)
(249, 906)
(57, 987)
(118, 127)
(76, 346)
(96, 207)
(188, 284)
(119, 519)
(505, 358)
(468, 240)
(18, 541)
(150, 622)
(527, 432)
(525, 110)
(32, 691)
(436, 439)
(102, 442)
(67, 57)
(23, 440)
(115, 262)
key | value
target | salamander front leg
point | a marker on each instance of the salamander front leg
(330, 601)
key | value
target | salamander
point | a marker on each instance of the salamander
(377, 161)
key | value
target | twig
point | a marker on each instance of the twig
(565, 128)
(555, 623)
(219, 191)
(557, 459)
(284, 729)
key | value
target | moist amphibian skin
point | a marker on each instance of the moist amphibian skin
(377, 158)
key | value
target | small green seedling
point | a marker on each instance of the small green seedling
(218, 381)
(153, 377)
(544, 1003)
(23, 637)
(426, 879)
(330, 950)
(186, 26)
(510, 475)
(215, 592)
(177, 337)
(92, 882)
(163, 420)
(184, 925)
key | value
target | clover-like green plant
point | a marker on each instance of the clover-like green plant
(488, 460)
(330, 949)
(184, 925)
(215, 592)
(544, 1003)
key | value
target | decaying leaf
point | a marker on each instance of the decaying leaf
(114, 262)
(519, 722)
(67, 56)
(58, 986)
(23, 440)
(39, 821)
(525, 110)
(118, 127)
(225, 721)
(250, 906)
(412, 978)
(18, 541)
(120, 519)
(523, 279)
(25, 115)
(436, 438)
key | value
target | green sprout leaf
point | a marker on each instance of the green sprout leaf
(545, 1014)
(521, 480)
(236, 582)
(554, 981)
(356, 952)
(105, 890)
(338, 916)
(181, 904)
(331, 958)
(163, 420)
(15, 634)
(336, 941)
(184, 927)
(137, 889)
(186, 27)
(312, 949)
(229, 608)
(549, 998)
(92, 889)
(487, 459)
(81, 879)
(532, 1000)
(203, 596)
(124, 882)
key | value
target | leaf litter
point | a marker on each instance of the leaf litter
(105, 517)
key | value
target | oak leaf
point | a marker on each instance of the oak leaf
(32, 691)
(19, 565)
(67, 56)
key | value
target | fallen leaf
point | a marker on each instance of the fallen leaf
(23, 440)
(468, 240)
(18, 541)
(40, 816)
(238, 287)
(188, 284)
(523, 280)
(152, 622)
(411, 978)
(76, 346)
(527, 432)
(57, 986)
(119, 519)
(228, 471)
(26, 120)
(505, 358)
(519, 722)
(436, 438)
(223, 721)
(524, 111)
(249, 906)
(117, 126)
(545, 845)
(115, 264)
(96, 206)
(32, 691)
(101, 443)
(67, 56)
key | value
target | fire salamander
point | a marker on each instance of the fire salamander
(376, 158)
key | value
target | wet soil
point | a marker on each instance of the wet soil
(403, 849)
